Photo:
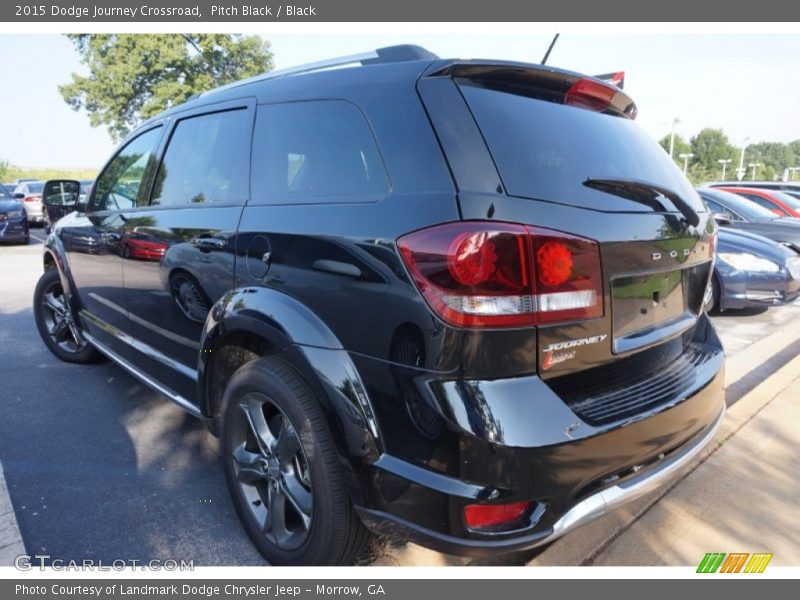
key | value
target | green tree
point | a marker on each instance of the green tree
(133, 76)
(681, 146)
(710, 146)
(4, 167)
(772, 155)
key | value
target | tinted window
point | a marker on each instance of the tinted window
(741, 206)
(713, 206)
(787, 198)
(316, 151)
(3, 193)
(207, 160)
(547, 150)
(119, 184)
(36, 187)
(765, 203)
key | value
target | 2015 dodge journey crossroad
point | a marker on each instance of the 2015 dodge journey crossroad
(458, 302)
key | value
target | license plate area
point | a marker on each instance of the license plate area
(649, 308)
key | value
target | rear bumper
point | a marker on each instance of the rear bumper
(585, 511)
(514, 440)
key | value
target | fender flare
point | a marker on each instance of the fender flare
(299, 336)
(54, 248)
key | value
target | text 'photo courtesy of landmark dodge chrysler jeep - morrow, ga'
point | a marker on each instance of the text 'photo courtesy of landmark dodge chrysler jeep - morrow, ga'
(458, 302)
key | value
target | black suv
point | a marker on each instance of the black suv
(458, 302)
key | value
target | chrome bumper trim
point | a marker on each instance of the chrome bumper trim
(609, 499)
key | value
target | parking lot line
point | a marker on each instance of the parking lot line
(11, 544)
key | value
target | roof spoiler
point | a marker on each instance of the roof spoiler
(543, 83)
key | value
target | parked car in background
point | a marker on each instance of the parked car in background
(13, 218)
(30, 192)
(457, 302)
(792, 187)
(780, 203)
(734, 211)
(752, 270)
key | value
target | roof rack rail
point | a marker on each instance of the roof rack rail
(389, 54)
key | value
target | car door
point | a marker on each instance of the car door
(91, 242)
(178, 244)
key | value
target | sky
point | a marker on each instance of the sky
(748, 85)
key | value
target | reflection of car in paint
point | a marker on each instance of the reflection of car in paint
(455, 301)
(141, 245)
(752, 270)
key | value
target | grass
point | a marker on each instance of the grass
(12, 173)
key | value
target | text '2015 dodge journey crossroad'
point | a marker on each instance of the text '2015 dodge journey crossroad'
(458, 302)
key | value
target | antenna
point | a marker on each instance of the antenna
(550, 49)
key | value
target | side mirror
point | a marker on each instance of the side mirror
(723, 218)
(62, 193)
(19, 196)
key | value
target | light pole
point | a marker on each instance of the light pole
(753, 166)
(724, 162)
(685, 156)
(741, 170)
(675, 121)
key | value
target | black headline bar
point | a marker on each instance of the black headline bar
(396, 11)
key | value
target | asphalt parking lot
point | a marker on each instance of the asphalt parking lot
(98, 466)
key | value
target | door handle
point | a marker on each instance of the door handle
(210, 243)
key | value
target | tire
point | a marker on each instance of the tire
(310, 519)
(55, 324)
(715, 306)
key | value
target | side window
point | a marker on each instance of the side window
(316, 151)
(713, 207)
(765, 203)
(118, 185)
(207, 161)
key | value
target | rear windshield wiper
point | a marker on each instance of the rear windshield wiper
(645, 193)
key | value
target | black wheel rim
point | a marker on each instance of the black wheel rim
(58, 322)
(271, 471)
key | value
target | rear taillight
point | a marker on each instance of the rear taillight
(29, 199)
(486, 274)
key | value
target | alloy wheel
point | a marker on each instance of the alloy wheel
(58, 320)
(271, 471)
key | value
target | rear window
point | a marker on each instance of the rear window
(36, 187)
(546, 150)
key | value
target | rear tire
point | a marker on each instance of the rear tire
(59, 331)
(282, 469)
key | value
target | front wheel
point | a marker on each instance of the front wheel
(59, 331)
(282, 469)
